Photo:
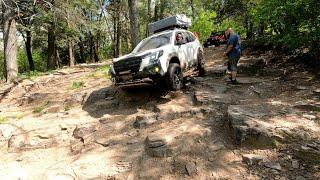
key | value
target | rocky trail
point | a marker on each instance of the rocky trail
(74, 124)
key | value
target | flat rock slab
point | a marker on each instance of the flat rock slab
(251, 159)
(249, 80)
(159, 143)
(217, 71)
(263, 125)
(85, 131)
(171, 112)
(23, 142)
(207, 98)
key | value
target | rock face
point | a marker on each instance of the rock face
(22, 142)
(145, 121)
(82, 132)
(271, 165)
(308, 152)
(207, 98)
(157, 146)
(251, 159)
(256, 125)
(161, 143)
(191, 169)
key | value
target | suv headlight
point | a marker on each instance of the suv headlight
(154, 57)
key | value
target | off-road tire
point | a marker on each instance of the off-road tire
(201, 64)
(174, 77)
(217, 43)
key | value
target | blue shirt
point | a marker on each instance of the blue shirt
(234, 40)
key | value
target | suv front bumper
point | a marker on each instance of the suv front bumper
(150, 75)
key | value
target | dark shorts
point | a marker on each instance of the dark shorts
(232, 63)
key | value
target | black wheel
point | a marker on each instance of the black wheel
(201, 64)
(217, 43)
(206, 45)
(174, 77)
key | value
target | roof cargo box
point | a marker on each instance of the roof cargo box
(177, 21)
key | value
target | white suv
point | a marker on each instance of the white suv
(160, 57)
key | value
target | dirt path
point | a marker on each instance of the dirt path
(74, 124)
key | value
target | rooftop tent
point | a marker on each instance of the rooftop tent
(177, 21)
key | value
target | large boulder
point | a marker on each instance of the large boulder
(265, 125)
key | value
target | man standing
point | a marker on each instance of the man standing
(233, 52)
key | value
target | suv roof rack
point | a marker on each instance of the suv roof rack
(174, 22)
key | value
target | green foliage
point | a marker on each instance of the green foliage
(3, 119)
(101, 72)
(205, 24)
(77, 85)
(235, 25)
(31, 74)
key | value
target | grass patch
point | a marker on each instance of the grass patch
(101, 72)
(31, 74)
(77, 85)
(3, 119)
(39, 109)
(67, 107)
(19, 116)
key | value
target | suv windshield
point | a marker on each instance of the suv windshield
(154, 42)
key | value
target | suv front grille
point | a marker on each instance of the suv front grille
(130, 64)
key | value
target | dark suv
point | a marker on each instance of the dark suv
(216, 38)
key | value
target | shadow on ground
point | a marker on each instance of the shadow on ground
(116, 101)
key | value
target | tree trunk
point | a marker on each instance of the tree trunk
(163, 5)
(51, 47)
(28, 50)
(71, 40)
(118, 36)
(71, 53)
(114, 36)
(58, 60)
(134, 22)
(81, 47)
(192, 9)
(148, 17)
(91, 45)
(96, 48)
(10, 43)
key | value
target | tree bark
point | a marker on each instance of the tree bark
(71, 40)
(58, 60)
(51, 47)
(71, 53)
(134, 22)
(192, 9)
(28, 50)
(91, 45)
(163, 5)
(118, 36)
(81, 47)
(10, 43)
(148, 18)
(96, 48)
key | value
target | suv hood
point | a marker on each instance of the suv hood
(141, 54)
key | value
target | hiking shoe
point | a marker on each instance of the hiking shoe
(234, 82)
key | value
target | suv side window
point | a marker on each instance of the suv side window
(190, 37)
(180, 41)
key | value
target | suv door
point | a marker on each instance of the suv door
(192, 48)
(182, 50)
